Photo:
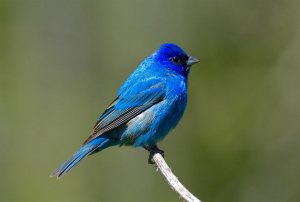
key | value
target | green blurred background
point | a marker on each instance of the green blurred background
(62, 62)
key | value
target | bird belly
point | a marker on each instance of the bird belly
(155, 123)
(169, 119)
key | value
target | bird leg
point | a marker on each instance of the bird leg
(153, 149)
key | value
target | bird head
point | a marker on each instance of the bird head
(174, 58)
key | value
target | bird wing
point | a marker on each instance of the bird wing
(126, 106)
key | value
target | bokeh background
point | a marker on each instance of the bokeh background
(62, 62)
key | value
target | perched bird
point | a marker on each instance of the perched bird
(148, 105)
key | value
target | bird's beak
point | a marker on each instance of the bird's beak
(192, 60)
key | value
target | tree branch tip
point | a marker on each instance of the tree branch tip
(172, 180)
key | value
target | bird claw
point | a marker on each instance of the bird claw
(150, 159)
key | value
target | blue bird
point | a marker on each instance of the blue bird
(148, 105)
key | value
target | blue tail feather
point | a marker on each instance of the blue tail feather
(97, 144)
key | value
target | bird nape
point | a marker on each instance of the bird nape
(148, 105)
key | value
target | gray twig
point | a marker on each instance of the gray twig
(172, 179)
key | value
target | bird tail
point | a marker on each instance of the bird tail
(87, 149)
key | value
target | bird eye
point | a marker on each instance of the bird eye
(176, 60)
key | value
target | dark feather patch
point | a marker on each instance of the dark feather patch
(124, 109)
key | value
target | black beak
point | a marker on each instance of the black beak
(191, 61)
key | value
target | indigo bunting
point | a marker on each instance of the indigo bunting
(148, 105)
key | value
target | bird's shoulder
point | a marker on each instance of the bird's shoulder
(146, 76)
(141, 80)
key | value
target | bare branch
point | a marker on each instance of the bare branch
(172, 179)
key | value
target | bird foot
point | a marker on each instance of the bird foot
(150, 159)
(153, 149)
